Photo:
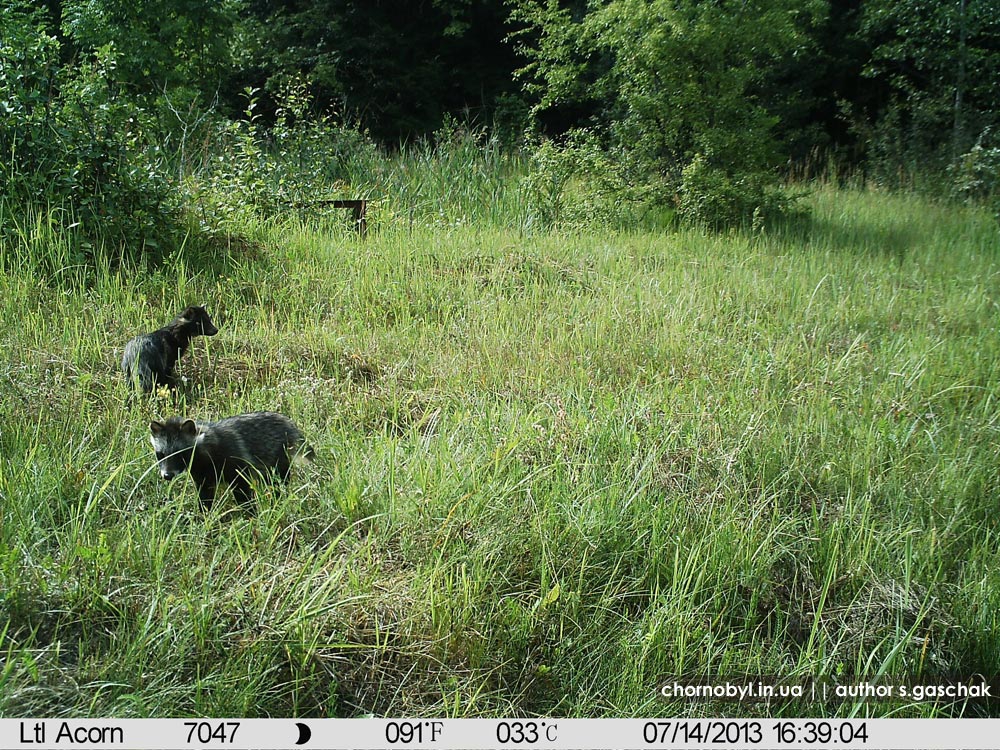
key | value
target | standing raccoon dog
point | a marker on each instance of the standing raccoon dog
(151, 357)
(231, 451)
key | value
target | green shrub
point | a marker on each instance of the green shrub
(74, 142)
(976, 175)
(669, 82)
(710, 196)
(577, 184)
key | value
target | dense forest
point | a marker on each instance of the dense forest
(699, 110)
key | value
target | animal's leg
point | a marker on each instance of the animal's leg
(206, 492)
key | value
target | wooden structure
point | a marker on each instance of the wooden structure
(358, 206)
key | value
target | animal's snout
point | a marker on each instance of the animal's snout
(166, 474)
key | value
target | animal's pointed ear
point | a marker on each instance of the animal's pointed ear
(188, 427)
(156, 427)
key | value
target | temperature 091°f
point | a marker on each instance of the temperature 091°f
(405, 732)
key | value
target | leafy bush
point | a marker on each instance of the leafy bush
(976, 174)
(669, 83)
(578, 183)
(160, 45)
(71, 140)
(712, 197)
(934, 70)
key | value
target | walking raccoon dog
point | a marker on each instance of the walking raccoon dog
(151, 357)
(232, 451)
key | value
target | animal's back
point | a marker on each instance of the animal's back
(263, 439)
(144, 360)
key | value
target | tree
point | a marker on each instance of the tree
(671, 86)
(75, 148)
(940, 62)
(158, 44)
(810, 89)
(396, 66)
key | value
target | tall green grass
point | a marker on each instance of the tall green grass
(552, 470)
(462, 176)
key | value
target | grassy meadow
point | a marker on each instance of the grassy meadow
(553, 469)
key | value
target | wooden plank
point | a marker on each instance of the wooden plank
(358, 206)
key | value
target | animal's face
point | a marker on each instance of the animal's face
(173, 441)
(199, 316)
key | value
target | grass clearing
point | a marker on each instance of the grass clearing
(553, 470)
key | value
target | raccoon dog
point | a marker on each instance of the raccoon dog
(151, 357)
(231, 451)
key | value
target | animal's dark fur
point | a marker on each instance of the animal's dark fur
(150, 358)
(231, 451)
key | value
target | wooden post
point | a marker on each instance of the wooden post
(359, 210)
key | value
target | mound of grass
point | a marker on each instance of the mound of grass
(552, 471)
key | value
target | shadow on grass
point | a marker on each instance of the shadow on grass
(221, 255)
(856, 235)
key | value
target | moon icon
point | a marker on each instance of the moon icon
(304, 733)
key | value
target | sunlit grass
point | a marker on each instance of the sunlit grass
(552, 470)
